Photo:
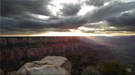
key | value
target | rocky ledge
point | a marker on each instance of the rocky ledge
(50, 65)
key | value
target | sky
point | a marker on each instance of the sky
(38, 16)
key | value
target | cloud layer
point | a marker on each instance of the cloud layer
(125, 19)
(39, 15)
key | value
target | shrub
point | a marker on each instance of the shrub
(114, 68)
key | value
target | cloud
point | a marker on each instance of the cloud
(24, 15)
(30, 24)
(73, 22)
(70, 9)
(125, 19)
(19, 7)
(107, 11)
(96, 2)
(35, 15)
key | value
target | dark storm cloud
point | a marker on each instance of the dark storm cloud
(23, 23)
(70, 9)
(17, 16)
(33, 24)
(125, 19)
(111, 10)
(19, 7)
(96, 2)
(73, 22)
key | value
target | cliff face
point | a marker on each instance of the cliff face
(13, 49)
(15, 52)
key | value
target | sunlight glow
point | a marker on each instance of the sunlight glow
(80, 33)
(56, 6)
(101, 26)
(73, 32)
(89, 29)
(77, 33)
(97, 40)
(106, 3)
(85, 9)
(42, 17)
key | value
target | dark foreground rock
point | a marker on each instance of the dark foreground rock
(90, 71)
(12, 73)
(48, 65)
(1, 72)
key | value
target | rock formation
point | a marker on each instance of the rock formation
(48, 65)
(12, 73)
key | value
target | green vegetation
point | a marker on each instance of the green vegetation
(114, 68)
(90, 70)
